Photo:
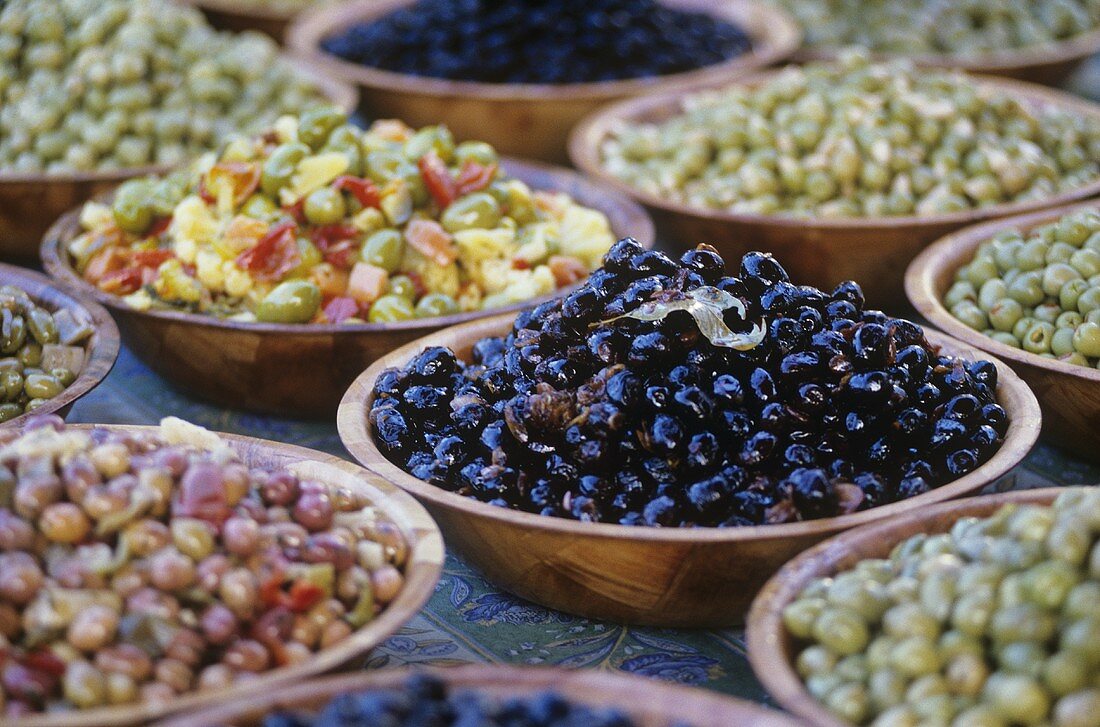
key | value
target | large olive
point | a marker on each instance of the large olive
(280, 167)
(132, 208)
(325, 206)
(474, 211)
(295, 301)
(384, 249)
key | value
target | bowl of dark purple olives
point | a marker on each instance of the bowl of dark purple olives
(652, 446)
(520, 74)
(488, 695)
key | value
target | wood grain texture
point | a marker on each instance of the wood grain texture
(771, 649)
(30, 203)
(1045, 64)
(529, 120)
(298, 370)
(100, 350)
(684, 577)
(1068, 394)
(649, 702)
(422, 571)
(821, 252)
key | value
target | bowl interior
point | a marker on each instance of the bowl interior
(1013, 395)
(772, 650)
(587, 138)
(626, 218)
(933, 271)
(774, 35)
(652, 703)
(100, 349)
(422, 571)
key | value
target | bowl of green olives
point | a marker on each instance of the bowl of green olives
(774, 162)
(55, 346)
(300, 369)
(979, 611)
(998, 287)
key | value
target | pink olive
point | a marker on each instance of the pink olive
(279, 488)
(314, 510)
(218, 624)
(15, 532)
(241, 535)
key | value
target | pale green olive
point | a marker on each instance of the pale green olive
(295, 301)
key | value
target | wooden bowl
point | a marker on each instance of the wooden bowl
(530, 120)
(293, 369)
(422, 571)
(240, 16)
(650, 702)
(1046, 64)
(822, 252)
(684, 577)
(100, 350)
(31, 202)
(1068, 394)
(771, 649)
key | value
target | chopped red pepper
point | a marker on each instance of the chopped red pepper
(438, 180)
(474, 177)
(152, 258)
(297, 211)
(325, 236)
(363, 190)
(242, 177)
(305, 595)
(274, 255)
(341, 308)
(343, 254)
(122, 282)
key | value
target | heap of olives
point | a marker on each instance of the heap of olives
(1038, 291)
(856, 139)
(964, 28)
(108, 84)
(994, 623)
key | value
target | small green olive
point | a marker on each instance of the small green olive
(280, 167)
(403, 286)
(325, 206)
(295, 301)
(436, 304)
(315, 125)
(391, 308)
(474, 211)
(384, 249)
(42, 386)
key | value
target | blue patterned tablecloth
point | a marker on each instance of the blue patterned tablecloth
(467, 619)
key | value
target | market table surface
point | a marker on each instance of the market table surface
(467, 619)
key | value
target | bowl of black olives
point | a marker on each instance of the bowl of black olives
(651, 447)
(520, 75)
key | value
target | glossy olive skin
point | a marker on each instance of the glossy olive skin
(474, 211)
(436, 304)
(391, 308)
(280, 166)
(131, 207)
(325, 206)
(384, 249)
(315, 125)
(295, 301)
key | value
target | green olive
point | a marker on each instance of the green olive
(474, 211)
(384, 165)
(385, 249)
(10, 411)
(391, 308)
(325, 206)
(345, 140)
(132, 209)
(30, 354)
(1086, 339)
(315, 125)
(280, 167)
(11, 385)
(259, 206)
(42, 386)
(295, 301)
(65, 376)
(41, 326)
(403, 286)
(475, 151)
(436, 304)
(431, 138)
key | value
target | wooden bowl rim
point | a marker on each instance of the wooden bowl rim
(620, 689)
(339, 93)
(586, 137)
(351, 422)
(780, 39)
(422, 571)
(959, 247)
(242, 10)
(100, 349)
(57, 264)
(765, 633)
(1077, 47)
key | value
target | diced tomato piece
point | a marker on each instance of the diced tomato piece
(363, 190)
(274, 255)
(331, 280)
(241, 177)
(367, 282)
(152, 258)
(122, 282)
(521, 264)
(431, 240)
(105, 261)
(438, 180)
(305, 595)
(342, 254)
(474, 177)
(567, 270)
(297, 211)
(340, 308)
(327, 235)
